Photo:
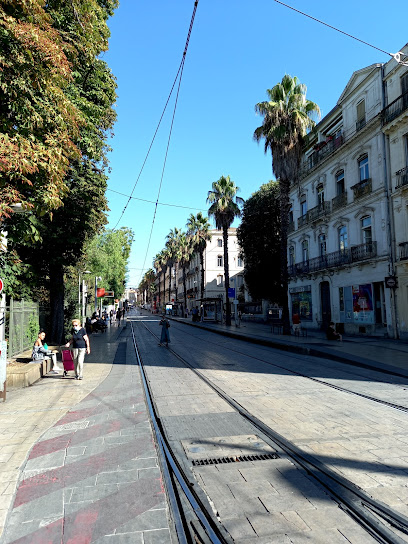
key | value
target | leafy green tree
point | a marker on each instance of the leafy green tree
(172, 244)
(259, 239)
(225, 207)
(198, 228)
(92, 89)
(287, 117)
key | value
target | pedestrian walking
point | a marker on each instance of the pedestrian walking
(165, 334)
(80, 344)
(118, 316)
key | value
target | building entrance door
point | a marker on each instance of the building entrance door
(379, 302)
(325, 304)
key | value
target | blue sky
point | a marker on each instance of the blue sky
(237, 50)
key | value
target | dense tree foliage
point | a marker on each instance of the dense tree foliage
(198, 229)
(259, 239)
(80, 31)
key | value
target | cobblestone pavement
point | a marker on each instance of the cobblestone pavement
(93, 476)
(363, 440)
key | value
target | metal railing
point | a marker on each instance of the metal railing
(323, 149)
(362, 188)
(291, 227)
(319, 211)
(395, 109)
(339, 201)
(402, 177)
(302, 221)
(403, 254)
(361, 123)
(335, 259)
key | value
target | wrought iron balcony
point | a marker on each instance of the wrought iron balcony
(339, 201)
(302, 221)
(402, 177)
(361, 123)
(336, 259)
(403, 255)
(321, 210)
(393, 110)
(291, 227)
(322, 150)
(362, 188)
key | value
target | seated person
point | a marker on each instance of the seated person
(41, 352)
(332, 334)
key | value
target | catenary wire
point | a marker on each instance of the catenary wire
(159, 203)
(180, 68)
(334, 28)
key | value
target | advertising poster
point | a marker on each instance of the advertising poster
(302, 305)
(363, 309)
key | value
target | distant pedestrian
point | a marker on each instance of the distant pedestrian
(118, 316)
(332, 334)
(165, 334)
(80, 344)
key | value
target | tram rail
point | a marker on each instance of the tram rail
(379, 520)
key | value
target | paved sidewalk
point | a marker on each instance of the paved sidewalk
(93, 476)
(369, 352)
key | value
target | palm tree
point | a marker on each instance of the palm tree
(158, 264)
(288, 116)
(172, 240)
(198, 229)
(185, 247)
(225, 207)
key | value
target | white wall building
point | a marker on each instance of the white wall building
(339, 244)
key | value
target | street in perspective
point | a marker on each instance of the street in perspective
(203, 322)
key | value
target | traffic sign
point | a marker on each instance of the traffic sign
(1, 285)
(231, 292)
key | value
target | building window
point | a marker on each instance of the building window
(361, 115)
(240, 262)
(219, 279)
(322, 245)
(303, 205)
(363, 168)
(343, 242)
(291, 214)
(366, 230)
(340, 182)
(320, 195)
(219, 242)
(291, 256)
(219, 260)
(406, 149)
(305, 251)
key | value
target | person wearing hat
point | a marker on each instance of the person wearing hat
(165, 334)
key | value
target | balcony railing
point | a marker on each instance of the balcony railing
(291, 227)
(335, 259)
(403, 254)
(302, 221)
(402, 177)
(339, 201)
(322, 150)
(362, 188)
(395, 109)
(321, 210)
(361, 123)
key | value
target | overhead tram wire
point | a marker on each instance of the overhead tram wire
(180, 68)
(171, 126)
(159, 203)
(396, 56)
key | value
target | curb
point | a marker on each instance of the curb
(324, 353)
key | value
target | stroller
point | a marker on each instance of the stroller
(67, 360)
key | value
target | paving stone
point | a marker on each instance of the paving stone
(152, 519)
(238, 527)
(158, 536)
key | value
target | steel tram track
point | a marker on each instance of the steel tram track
(374, 516)
(173, 474)
(317, 380)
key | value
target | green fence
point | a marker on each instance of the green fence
(23, 325)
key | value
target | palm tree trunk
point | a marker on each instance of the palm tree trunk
(284, 217)
(202, 273)
(226, 275)
(175, 282)
(170, 283)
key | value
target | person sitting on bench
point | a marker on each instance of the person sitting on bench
(332, 334)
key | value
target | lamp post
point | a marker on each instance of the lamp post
(81, 301)
(97, 278)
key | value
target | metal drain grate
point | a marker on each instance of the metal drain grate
(238, 459)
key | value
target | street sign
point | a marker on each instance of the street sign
(109, 294)
(1, 285)
(391, 282)
(231, 292)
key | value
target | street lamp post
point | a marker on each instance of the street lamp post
(81, 301)
(97, 278)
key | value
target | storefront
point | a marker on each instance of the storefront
(301, 302)
(356, 304)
